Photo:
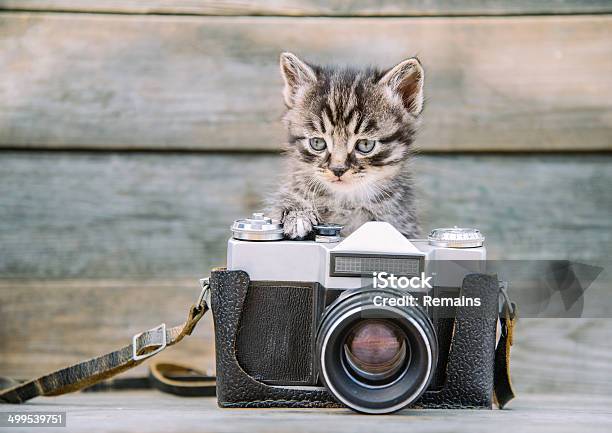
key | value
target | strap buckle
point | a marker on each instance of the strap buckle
(204, 298)
(156, 337)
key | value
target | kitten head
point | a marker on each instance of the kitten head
(351, 128)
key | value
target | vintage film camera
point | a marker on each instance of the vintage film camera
(297, 325)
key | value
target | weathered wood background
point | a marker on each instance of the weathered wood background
(95, 246)
(316, 7)
(121, 77)
(115, 215)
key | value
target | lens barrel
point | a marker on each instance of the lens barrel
(375, 350)
(375, 359)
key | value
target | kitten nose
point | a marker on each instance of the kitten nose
(338, 170)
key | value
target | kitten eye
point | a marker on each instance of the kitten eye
(317, 144)
(365, 146)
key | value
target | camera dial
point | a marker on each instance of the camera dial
(328, 233)
(456, 237)
(257, 228)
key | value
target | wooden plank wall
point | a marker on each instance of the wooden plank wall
(98, 246)
(119, 77)
(317, 7)
(137, 216)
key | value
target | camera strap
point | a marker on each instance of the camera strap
(503, 390)
(144, 345)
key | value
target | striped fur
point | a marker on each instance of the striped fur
(340, 184)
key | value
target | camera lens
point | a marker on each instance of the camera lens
(375, 359)
(375, 350)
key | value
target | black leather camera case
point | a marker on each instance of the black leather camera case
(469, 370)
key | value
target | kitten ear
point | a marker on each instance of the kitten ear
(406, 78)
(296, 74)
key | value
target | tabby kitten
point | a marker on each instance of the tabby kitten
(350, 138)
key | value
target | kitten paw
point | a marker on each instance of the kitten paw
(297, 224)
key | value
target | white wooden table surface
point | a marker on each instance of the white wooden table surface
(151, 411)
